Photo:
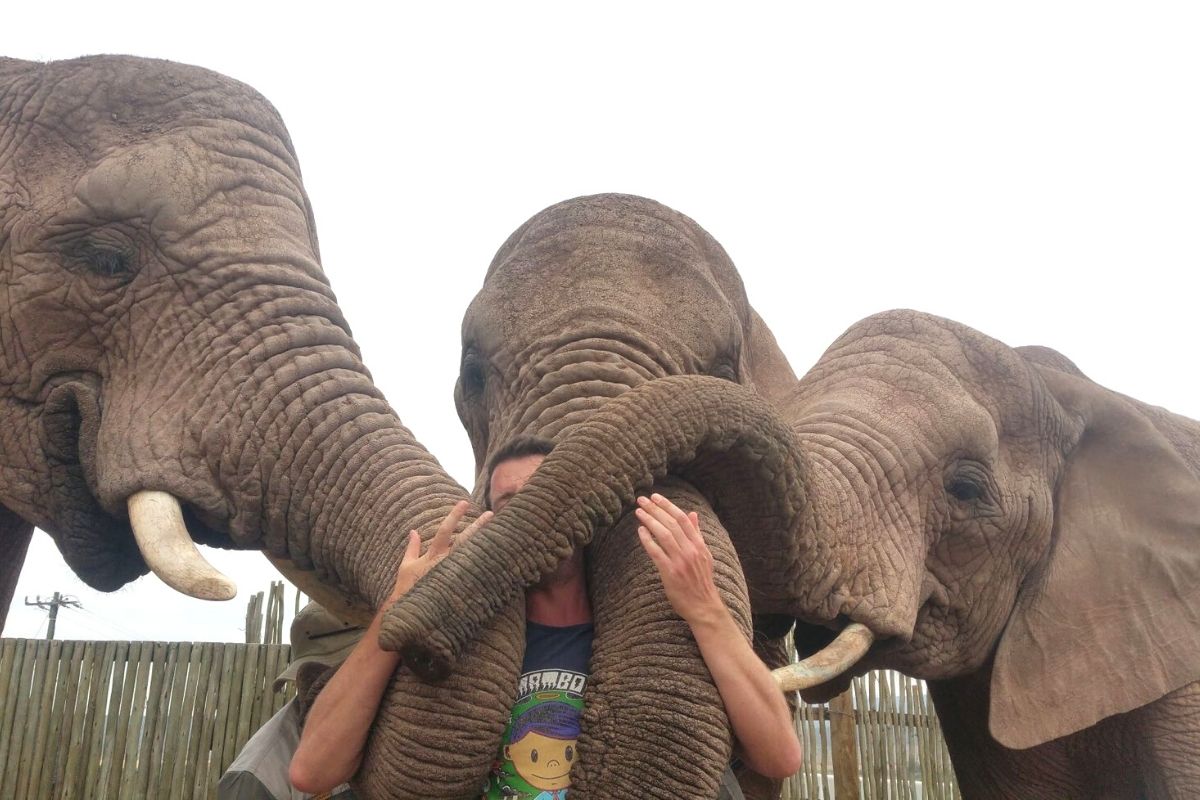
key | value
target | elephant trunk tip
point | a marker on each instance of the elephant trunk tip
(424, 647)
(426, 664)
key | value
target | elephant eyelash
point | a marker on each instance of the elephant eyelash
(968, 484)
(115, 261)
(110, 263)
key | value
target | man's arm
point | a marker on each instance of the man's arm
(334, 737)
(761, 719)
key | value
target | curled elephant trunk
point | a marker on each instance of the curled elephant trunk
(722, 437)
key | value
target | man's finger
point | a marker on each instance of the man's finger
(652, 549)
(694, 529)
(662, 535)
(445, 532)
(412, 548)
(480, 521)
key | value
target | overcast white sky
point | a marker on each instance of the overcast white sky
(1029, 169)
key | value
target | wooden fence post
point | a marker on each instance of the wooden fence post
(844, 747)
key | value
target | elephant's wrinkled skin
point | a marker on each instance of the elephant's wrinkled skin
(1025, 540)
(166, 325)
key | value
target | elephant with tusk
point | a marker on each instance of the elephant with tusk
(174, 369)
(982, 517)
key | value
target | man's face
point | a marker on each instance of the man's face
(509, 476)
(507, 479)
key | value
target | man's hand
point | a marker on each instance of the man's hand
(334, 737)
(415, 564)
(761, 719)
(672, 540)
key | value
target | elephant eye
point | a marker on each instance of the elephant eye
(724, 368)
(471, 374)
(109, 256)
(965, 490)
(968, 482)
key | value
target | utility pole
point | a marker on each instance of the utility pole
(53, 605)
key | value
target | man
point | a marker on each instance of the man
(558, 647)
(260, 771)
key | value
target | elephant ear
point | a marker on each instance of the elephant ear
(1110, 620)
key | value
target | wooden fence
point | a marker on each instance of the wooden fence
(114, 720)
(100, 720)
(889, 730)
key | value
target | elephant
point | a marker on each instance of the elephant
(1023, 539)
(176, 369)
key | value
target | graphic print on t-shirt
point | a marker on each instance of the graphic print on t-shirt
(539, 745)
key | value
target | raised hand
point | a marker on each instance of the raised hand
(415, 563)
(672, 540)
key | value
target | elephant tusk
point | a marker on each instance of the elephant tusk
(841, 654)
(163, 538)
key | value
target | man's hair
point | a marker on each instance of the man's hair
(517, 447)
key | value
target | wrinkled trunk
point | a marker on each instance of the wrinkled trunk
(684, 425)
(372, 484)
(651, 707)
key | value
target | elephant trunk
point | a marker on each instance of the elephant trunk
(684, 425)
(350, 483)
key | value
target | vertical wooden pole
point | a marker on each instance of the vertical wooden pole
(845, 747)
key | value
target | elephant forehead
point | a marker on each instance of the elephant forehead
(919, 352)
(672, 302)
(149, 180)
(915, 426)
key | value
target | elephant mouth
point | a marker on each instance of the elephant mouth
(812, 638)
(97, 546)
(104, 549)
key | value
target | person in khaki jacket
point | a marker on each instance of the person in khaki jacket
(260, 771)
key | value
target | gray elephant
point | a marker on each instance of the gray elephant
(1022, 538)
(176, 369)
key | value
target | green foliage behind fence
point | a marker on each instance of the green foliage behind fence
(115, 720)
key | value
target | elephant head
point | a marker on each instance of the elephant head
(984, 511)
(588, 300)
(172, 360)
(175, 368)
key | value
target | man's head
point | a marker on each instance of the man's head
(508, 470)
(318, 638)
(511, 466)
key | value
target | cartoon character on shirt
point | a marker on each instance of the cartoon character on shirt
(542, 747)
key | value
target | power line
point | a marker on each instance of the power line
(113, 625)
(57, 602)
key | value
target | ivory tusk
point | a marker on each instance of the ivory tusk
(163, 538)
(841, 654)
